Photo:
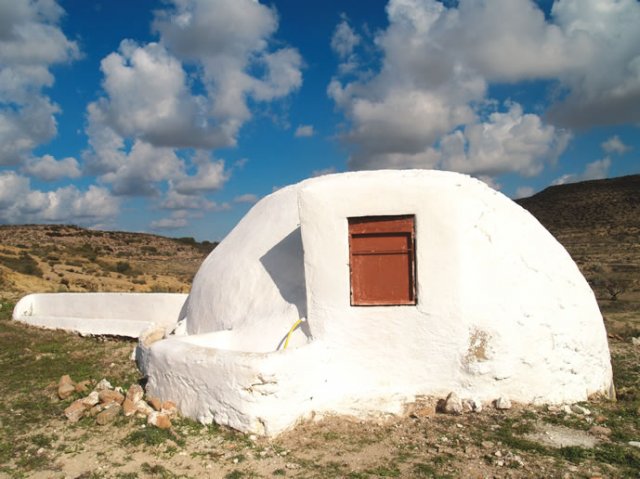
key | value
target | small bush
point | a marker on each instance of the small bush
(123, 267)
(24, 264)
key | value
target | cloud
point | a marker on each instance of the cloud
(524, 192)
(512, 142)
(595, 170)
(344, 39)
(154, 125)
(147, 97)
(210, 176)
(615, 145)
(31, 42)
(603, 86)
(229, 41)
(428, 105)
(25, 126)
(176, 201)
(246, 198)
(47, 168)
(169, 223)
(20, 204)
(304, 131)
(138, 172)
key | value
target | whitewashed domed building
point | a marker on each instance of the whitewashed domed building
(408, 283)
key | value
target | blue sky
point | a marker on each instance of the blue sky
(175, 116)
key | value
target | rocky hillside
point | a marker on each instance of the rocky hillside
(598, 222)
(40, 258)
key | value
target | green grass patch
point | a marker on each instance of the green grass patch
(152, 436)
(385, 471)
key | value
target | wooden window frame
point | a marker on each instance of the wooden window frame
(379, 227)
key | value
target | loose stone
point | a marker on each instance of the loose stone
(92, 399)
(159, 420)
(426, 410)
(453, 404)
(75, 411)
(109, 414)
(143, 408)
(103, 384)
(503, 403)
(108, 395)
(169, 408)
(472, 405)
(128, 407)
(66, 387)
(135, 393)
(580, 410)
(155, 403)
(83, 386)
(95, 410)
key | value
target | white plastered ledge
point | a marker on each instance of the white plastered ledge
(502, 310)
(118, 314)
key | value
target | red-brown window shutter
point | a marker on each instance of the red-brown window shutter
(382, 260)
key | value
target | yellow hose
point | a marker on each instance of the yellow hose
(293, 328)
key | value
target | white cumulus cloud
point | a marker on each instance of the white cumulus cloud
(31, 42)
(428, 103)
(615, 145)
(246, 198)
(21, 204)
(47, 168)
(524, 192)
(167, 104)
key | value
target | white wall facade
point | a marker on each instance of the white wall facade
(502, 310)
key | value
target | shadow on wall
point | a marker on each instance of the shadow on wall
(285, 264)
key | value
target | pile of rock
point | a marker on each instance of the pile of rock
(105, 403)
(454, 405)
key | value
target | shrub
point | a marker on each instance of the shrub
(24, 264)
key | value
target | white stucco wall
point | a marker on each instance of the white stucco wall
(502, 309)
(120, 314)
(487, 273)
(253, 282)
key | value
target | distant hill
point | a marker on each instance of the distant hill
(40, 258)
(598, 222)
(612, 204)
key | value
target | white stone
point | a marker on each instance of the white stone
(453, 404)
(473, 405)
(580, 410)
(92, 399)
(503, 403)
(102, 385)
(634, 443)
(502, 310)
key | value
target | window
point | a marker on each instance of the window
(382, 260)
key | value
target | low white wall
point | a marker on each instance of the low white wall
(118, 314)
